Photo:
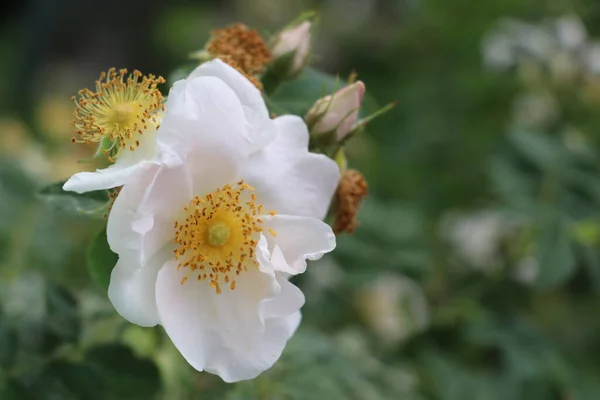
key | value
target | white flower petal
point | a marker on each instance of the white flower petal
(249, 95)
(119, 173)
(150, 220)
(287, 178)
(203, 118)
(298, 239)
(120, 236)
(262, 130)
(163, 203)
(131, 288)
(143, 214)
(224, 333)
(293, 321)
(288, 302)
(107, 178)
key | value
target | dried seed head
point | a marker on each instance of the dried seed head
(350, 192)
(243, 45)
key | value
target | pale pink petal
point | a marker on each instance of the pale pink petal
(287, 178)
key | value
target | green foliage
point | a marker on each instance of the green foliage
(555, 254)
(91, 204)
(110, 371)
(298, 95)
(317, 367)
(100, 260)
(41, 355)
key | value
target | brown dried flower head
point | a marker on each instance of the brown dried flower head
(241, 44)
(350, 192)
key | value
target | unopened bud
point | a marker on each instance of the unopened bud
(336, 115)
(291, 49)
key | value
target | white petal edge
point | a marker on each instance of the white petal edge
(261, 130)
(132, 288)
(163, 203)
(107, 178)
(248, 93)
(297, 239)
(121, 237)
(225, 334)
(203, 115)
(288, 178)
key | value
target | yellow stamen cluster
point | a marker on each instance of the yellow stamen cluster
(245, 46)
(217, 240)
(119, 108)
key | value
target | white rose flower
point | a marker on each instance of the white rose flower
(122, 117)
(141, 148)
(205, 248)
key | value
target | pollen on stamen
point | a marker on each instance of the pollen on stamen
(117, 110)
(219, 233)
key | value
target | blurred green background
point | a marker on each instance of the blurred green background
(475, 273)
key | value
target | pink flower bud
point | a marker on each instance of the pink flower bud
(336, 113)
(293, 42)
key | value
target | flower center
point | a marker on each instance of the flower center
(217, 239)
(218, 234)
(118, 109)
(123, 115)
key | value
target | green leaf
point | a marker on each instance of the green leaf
(298, 95)
(16, 192)
(538, 148)
(591, 261)
(106, 372)
(554, 253)
(315, 366)
(13, 390)
(65, 380)
(43, 315)
(8, 343)
(93, 204)
(100, 260)
(124, 375)
(62, 320)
